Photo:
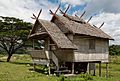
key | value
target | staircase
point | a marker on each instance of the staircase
(43, 57)
(54, 59)
(39, 57)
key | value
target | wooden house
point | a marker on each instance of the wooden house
(70, 42)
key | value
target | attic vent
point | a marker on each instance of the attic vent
(40, 29)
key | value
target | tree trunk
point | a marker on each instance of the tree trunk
(9, 56)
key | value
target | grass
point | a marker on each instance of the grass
(20, 69)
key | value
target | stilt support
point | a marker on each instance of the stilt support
(100, 73)
(107, 70)
(48, 65)
(88, 68)
(94, 72)
(73, 68)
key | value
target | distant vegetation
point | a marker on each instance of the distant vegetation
(114, 50)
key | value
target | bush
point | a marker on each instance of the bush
(114, 50)
(81, 77)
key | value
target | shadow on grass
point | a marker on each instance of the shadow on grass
(21, 63)
(40, 70)
(1, 61)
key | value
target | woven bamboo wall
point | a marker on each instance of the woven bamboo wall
(83, 54)
(100, 53)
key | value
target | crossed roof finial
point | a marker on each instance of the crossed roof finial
(36, 17)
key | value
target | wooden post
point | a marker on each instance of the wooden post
(33, 58)
(94, 72)
(100, 70)
(33, 65)
(72, 67)
(88, 68)
(49, 68)
(33, 44)
(49, 50)
(94, 69)
(106, 70)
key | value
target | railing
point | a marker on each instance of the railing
(41, 55)
(54, 58)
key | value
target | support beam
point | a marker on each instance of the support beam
(33, 50)
(94, 69)
(49, 72)
(94, 72)
(72, 67)
(33, 65)
(107, 70)
(88, 68)
(33, 44)
(49, 51)
(100, 73)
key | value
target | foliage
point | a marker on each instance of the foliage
(80, 77)
(115, 59)
(114, 50)
(13, 34)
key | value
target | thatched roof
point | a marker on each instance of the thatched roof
(79, 26)
(57, 36)
(59, 25)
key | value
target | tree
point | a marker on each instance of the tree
(114, 50)
(13, 34)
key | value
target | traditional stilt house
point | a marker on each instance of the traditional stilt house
(71, 43)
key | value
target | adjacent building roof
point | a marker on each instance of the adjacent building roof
(79, 26)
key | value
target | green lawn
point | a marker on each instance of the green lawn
(20, 69)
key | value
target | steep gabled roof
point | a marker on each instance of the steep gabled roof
(59, 25)
(57, 35)
(37, 31)
(79, 26)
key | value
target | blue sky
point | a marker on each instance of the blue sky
(73, 7)
(107, 11)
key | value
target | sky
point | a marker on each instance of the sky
(107, 11)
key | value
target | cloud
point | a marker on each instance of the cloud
(111, 26)
(108, 6)
(25, 8)
(75, 2)
(107, 11)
